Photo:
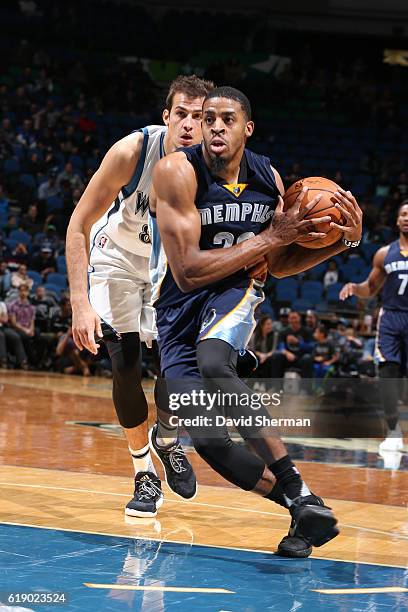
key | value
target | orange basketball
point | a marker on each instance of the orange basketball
(324, 208)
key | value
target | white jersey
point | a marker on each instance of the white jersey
(126, 222)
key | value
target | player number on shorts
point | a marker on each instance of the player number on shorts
(403, 285)
(226, 239)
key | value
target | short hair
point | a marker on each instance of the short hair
(192, 86)
(232, 94)
(323, 330)
(403, 203)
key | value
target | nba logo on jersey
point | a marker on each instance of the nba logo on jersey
(102, 241)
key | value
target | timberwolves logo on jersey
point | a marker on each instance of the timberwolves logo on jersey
(142, 204)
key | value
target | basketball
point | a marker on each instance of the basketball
(325, 207)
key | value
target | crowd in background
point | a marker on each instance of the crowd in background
(60, 111)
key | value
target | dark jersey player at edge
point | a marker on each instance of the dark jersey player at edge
(202, 322)
(389, 273)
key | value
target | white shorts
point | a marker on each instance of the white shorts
(120, 289)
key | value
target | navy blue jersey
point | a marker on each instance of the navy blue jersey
(395, 289)
(230, 214)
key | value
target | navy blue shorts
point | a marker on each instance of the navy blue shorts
(224, 314)
(392, 337)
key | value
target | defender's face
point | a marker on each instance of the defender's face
(184, 121)
(225, 128)
(402, 220)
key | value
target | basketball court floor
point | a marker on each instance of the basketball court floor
(65, 477)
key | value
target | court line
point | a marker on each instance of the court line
(250, 550)
(132, 587)
(361, 591)
(397, 535)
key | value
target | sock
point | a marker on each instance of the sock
(142, 461)
(277, 495)
(289, 479)
(166, 434)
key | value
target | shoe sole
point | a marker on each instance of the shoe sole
(141, 514)
(164, 470)
(317, 524)
(282, 552)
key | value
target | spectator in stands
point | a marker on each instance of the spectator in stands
(50, 187)
(295, 344)
(69, 360)
(311, 320)
(19, 255)
(30, 222)
(332, 274)
(263, 343)
(402, 185)
(5, 279)
(10, 341)
(20, 277)
(72, 177)
(325, 353)
(22, 320)
(43, 303)
(44, 262)
(281, 324)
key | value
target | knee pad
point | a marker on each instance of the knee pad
(128, 396)
(216, 359)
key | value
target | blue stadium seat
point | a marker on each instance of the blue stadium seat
(302, 305)
(54, 278)
(28, 180)
(369, 249)
(287, 283)
(11, 166)
(333, 292)
(20, 236)
(54, 203)
(55, 289)
(36, 276)
(61, 264)
(318, 271)
(286, 295)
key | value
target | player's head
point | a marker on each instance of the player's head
(226, 126)
(183, 111)
(402, 218)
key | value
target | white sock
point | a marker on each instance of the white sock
(142, 461)
(166, 434)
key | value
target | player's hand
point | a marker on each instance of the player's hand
(287, 227)
(259, 271)
(351, 212)
(347, 291)
(85, 325)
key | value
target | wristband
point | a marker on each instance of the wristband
(351, 244)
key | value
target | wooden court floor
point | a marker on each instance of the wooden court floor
(60, 468)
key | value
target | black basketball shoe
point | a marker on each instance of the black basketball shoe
(178, 471)
(312, 520)
(294, 545)
(148, 496)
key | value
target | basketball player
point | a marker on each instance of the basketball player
(114, 239)
(389, 272)
(216, 195)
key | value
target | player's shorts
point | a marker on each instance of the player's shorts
(120, 289)
(392, 336)
(223, 314)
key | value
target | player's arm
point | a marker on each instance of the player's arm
(372, 285)
(293, 259)
(115, 171)
(173, 196)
